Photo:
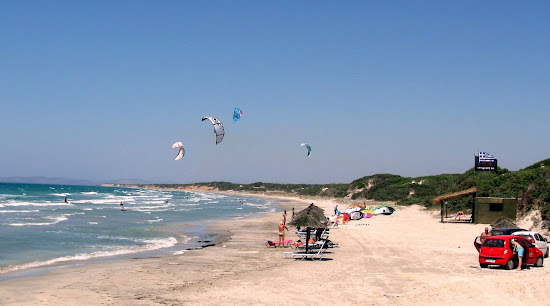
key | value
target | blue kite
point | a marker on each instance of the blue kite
(237, 113)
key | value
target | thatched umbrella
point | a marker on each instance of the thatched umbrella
(318, 212)
(310, 217)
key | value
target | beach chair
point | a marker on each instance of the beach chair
(285, 243)
(317, 255)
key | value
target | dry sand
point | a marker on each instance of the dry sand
(405, 258)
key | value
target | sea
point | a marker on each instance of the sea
(39, 230)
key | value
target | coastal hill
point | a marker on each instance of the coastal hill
(531, 186)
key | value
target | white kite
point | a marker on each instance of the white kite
(308, 148)
(181, 152)
(218, 128)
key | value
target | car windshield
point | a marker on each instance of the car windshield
(494, 243)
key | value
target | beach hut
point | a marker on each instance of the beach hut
(489, 209)
(383, 210)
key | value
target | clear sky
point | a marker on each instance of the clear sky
(100, 90)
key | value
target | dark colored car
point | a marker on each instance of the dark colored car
(505, 231)
(497, 250)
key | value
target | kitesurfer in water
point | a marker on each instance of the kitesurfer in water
(66, 200)
(121, 206)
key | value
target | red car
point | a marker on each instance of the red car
(497, 250)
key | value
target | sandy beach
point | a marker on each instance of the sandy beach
(405, 258)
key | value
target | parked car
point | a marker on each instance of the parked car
(497, 250)
(535, 238)
(506, 231)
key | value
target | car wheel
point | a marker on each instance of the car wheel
(483, 265)
(539, 262)
(547, 252)
(509, 265)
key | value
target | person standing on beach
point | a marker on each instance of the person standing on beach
(519, 250)
(284, 217)
(282, 228)
(484, 235)
(292, 213)
(335, 209)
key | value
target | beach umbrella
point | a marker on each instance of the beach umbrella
(314, 209)
(311, 216)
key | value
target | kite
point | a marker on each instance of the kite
(308, 148)
(237, 113)
(181, 152)
(218, 128)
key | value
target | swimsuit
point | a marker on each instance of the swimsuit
(520, 251)
(281, 233)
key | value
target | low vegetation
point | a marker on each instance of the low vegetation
(531, 186)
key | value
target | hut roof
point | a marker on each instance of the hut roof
(504, 222)
(453, 195)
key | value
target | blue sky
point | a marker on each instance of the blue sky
(100, 90)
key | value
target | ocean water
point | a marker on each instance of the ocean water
(38, 229)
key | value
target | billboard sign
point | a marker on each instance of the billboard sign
(485, 162)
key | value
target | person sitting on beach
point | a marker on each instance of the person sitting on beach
(459, 215)
(517, 248)
(318, 232)
(282, 228)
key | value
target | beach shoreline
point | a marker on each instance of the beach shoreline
(406, 258)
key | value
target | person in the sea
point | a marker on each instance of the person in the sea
(282, 228)
(517, 248)
(66, 201)
(121, 206)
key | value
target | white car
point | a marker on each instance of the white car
(540, 242)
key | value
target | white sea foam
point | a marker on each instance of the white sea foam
(179, 252)
(155, 220)
(60, 194)
(18, 211)
(93, 223)
(150, 245)
(89, 193)
(47, 203)
(55, 220)
(110, 200)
